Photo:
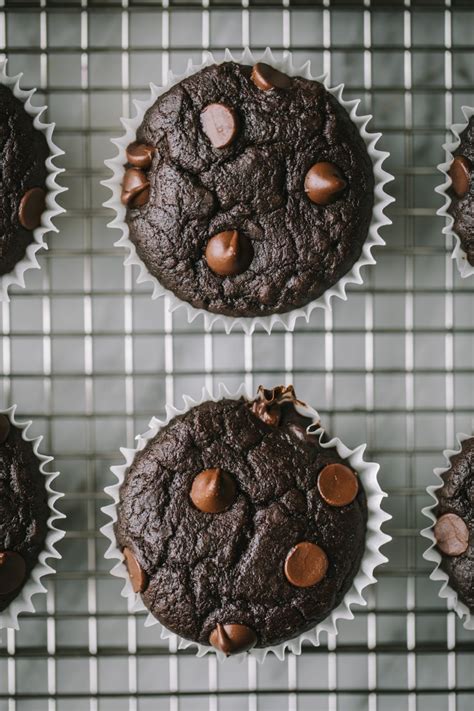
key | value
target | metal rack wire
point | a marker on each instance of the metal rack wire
(88, 355)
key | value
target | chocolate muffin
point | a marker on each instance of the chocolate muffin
(454, 528)
(462, 191)
(23, 154)
(249, 192)
(24, 511)
(237, 527)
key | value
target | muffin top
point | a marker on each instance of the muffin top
(248, 192)
(454, 529)
(23, 511)
(237, 527)
(23, 152)
(462, 191)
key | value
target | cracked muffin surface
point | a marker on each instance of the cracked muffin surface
(456, 542)
(254, 185)
(238, 567)
(23, 154)
(24, 511)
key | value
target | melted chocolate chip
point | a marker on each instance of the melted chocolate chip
(232, 639)
(324, 183)
(271, 405)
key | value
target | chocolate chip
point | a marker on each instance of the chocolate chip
(138, 577)
(32, 206)
(324, 183)
(232, 639)
(305, 565)
(270, 403)
(12, 571)
(460, 174)
(219, 123)
(229, 253)
(213, 490)
(266, 77)
(135, 188)
(267, 406)
(338, 485)
(140, 155)
(452, 534)
(268, 413)
(4, 428)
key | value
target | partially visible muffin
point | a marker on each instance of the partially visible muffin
(24, 511)
(454, 528)
(23, 154)
(249, 192)
(462, 191)
(237, 527)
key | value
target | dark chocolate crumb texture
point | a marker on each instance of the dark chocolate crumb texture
(237, 527)
(24, 511)
(248, 192)
(454, 528)
(23, 154)
(462, 191)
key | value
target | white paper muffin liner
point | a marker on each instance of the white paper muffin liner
(34, 584)
(375, 537)
(17, 276)
(465, 269)
(432, 554)
(248, 324)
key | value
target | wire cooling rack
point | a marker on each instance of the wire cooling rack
(88, 355)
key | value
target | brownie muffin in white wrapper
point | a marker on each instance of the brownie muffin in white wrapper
(28, 529)
(28, 183)
(458, 192)
(451, 531)
(264, 549)
(219, 272)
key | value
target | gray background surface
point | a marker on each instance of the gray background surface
(90, 357)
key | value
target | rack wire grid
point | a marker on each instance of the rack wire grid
(88, 355)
